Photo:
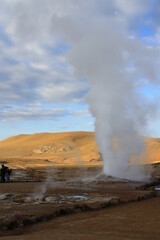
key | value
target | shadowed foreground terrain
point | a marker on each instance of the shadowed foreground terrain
(75, 203)
(136, 221)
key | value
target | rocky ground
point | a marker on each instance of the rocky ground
(134, 221)
(75, 199)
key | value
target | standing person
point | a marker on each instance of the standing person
(4, 170)
(8, 174)
(3, 173)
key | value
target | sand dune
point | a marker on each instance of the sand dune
(68, 148)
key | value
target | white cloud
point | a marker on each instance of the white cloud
(38, 112)
(133, 7)
(30, 71)
(31, 112)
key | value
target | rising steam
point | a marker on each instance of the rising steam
(116, 67)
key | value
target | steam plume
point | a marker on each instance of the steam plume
(116, 66)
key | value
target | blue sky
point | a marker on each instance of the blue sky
(40, 89)
(46, 118)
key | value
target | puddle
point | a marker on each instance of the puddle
(75, 197)
(60, 199)
(157, 188)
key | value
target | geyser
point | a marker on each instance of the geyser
(118, 110)
(118, 67)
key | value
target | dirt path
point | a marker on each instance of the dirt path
(137, 221)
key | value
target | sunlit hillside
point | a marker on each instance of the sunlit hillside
(64, 149)
(49, 149)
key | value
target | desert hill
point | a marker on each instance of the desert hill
(65, 149)
(49, 149)
(152, 154)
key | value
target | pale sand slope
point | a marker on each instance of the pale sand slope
(68, 148)
(47, 149)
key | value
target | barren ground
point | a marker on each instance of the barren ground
(76, 203)
(137, 221)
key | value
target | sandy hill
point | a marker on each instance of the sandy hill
(152, 154)
(49, 149)
(68, 148)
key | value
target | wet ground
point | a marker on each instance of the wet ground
(37, 196)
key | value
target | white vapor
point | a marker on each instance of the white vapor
(105, 49)
(117, 66)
